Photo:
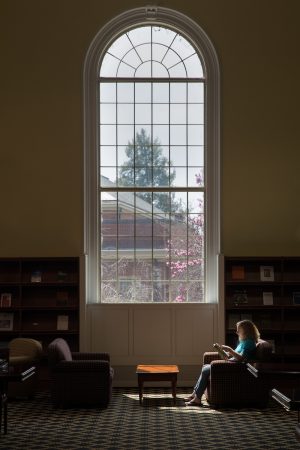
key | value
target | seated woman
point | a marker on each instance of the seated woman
(248, 337)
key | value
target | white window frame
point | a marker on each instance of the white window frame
(153, 15)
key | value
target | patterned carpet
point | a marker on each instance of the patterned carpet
(35, 425)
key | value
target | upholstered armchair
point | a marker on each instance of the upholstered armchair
(231, 384)
(78, 378)
(24, 352)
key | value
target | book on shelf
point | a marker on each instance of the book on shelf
(6, 321)
(36, 276)
(62, 322)
(5, 301)
(296, 298)
(268, 298)
(266, 273)
(240, 297)
(62, 298)
(272, 342)
(238, 272)
(61, 275)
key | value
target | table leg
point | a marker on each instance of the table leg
(174, 384)
(1, 406)
(5, 414)
(140, 382)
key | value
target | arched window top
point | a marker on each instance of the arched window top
(151, 51)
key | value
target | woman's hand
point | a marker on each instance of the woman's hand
(226, 348)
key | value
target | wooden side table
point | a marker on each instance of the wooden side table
(157, 373)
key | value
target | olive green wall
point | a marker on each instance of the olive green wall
(42, 47)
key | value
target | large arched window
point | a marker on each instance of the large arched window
(152, 207)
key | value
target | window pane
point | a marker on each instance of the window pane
(161, 113)
(125, 134)
(108, 92)
(178, 134)
(161, 92)
(195, 135)
(195, 176)
(195, 113)
(178, 114)
(142, 92)
(125, 114)
(108, 176)
(143, 113)
(108, 134)
(196, 156)
(161, 134)
(108, 113)
(108, 156)
(196, 202)
(196, 92)
(125, 155)
(178, 92)
(125, 93)
(178, 155)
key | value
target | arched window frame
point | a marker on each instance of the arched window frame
(104, 38)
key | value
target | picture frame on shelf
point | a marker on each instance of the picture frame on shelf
(296, 298)
(268, 298)
(266, 273)
(6, 321)
(62, 323)
(5, 301)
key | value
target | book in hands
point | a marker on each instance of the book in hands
(222, 353)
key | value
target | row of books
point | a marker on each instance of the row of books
(266, 273)
(7, 322)
(62, 299)
(240, 297)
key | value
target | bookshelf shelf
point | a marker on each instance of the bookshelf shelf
(265, 290)
(36, 305)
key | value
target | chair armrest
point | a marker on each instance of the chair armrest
(208, 357)
(228, 367)
(82, 366)
(77, 356)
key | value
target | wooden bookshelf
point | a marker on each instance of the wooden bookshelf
(279, 322)
(36, 305)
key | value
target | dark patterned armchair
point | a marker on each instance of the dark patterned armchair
(78, 378)
(231, 384)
